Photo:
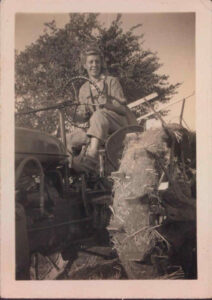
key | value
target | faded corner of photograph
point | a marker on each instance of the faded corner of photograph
(105, 146)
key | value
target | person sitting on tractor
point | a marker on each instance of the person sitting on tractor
(106, 113)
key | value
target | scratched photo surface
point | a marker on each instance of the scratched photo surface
(105, 146)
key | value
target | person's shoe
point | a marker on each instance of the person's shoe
(84, 163)
(89, 163)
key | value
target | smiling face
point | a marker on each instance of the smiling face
(93, 66)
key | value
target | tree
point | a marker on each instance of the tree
(44, 69)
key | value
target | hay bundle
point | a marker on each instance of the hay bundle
(139, 169)
(138, 180)
(134, 184)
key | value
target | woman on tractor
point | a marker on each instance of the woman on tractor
(106, 113)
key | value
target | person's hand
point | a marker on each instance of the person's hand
(119, 109)
(102, 100)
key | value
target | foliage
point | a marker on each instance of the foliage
(44, 69)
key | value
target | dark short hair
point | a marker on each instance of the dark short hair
(90, 50)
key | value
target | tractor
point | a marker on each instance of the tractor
(59, 211)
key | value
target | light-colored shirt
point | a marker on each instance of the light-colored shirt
(112, 91)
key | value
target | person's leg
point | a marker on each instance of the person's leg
(102, 123)
(98, 132)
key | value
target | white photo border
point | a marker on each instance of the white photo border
(200, 288)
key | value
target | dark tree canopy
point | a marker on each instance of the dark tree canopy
(44, 69)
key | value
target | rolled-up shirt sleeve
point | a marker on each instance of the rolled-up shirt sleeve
(117, 95)
(117, 101)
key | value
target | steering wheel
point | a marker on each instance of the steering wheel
(100, 94)
(87, 79)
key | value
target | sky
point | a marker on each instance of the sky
(171, 35)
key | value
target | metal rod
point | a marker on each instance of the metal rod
(57, 106)
(152, 96)
(42, 199)
(60, 224)
(163, 107)
(156, 113)
(83, 194)
(41, 153)
(63, 138)
(182, 110)
(62, 127)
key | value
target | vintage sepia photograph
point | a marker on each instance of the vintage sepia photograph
(105, 146)
(105, 149)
